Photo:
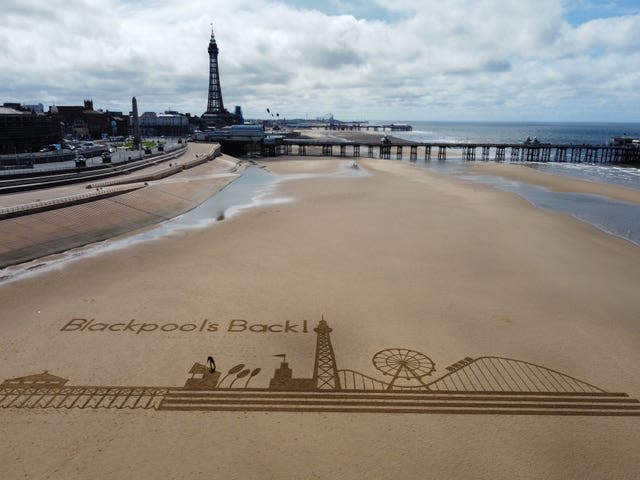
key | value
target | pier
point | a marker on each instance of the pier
(515, 152)
(359, 126)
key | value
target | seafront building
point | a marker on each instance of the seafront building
(24, 130)
(83, 121)
(169, 123)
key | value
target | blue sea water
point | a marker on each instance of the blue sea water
(516, 132)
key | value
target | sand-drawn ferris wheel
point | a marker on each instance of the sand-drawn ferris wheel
(402, 363)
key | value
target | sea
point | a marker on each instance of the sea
(517, 132)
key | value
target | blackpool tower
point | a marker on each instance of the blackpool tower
(216, 114)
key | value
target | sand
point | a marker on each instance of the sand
(401, 257)
(526, 174)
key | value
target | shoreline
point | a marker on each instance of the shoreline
(555, 182)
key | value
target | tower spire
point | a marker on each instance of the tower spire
(213, 36)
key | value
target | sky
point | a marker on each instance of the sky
(398, 60)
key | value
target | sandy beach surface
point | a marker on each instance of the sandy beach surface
(392, 257)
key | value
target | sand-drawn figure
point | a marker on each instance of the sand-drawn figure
(402, 363)
(240, 375)
(49, 391)
(212, 364)
(202, 378)
(254, 372)
(485, 385)
(232, 371)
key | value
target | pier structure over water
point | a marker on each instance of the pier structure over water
(513, 152)
(359, 126)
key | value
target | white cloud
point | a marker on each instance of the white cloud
(493, 59)
(618, 34)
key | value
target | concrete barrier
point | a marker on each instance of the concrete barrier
(55, 203)
(167, 172)
(109, 188)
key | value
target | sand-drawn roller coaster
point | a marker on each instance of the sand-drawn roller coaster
(484, 374)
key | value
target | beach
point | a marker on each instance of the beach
(390, 256)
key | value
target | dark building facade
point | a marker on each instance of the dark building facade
(119, 124)
(23, 130)
(169, 123)
(85, 122)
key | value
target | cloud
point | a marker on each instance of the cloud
(620, 34)
(401, 59)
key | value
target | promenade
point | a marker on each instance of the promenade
(104, 211)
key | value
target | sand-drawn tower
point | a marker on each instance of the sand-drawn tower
(216, 115)
(325, 371)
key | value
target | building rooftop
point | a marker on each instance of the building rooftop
(12, 111)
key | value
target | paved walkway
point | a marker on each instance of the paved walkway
(194, 151)
(32, 236)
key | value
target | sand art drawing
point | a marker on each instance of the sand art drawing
(485, 385)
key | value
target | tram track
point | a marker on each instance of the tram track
(37, 182)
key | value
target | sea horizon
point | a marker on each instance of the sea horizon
(589, 133)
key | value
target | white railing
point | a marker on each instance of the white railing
(62, 201)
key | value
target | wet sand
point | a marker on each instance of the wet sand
(526, 174)
(403, 257)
